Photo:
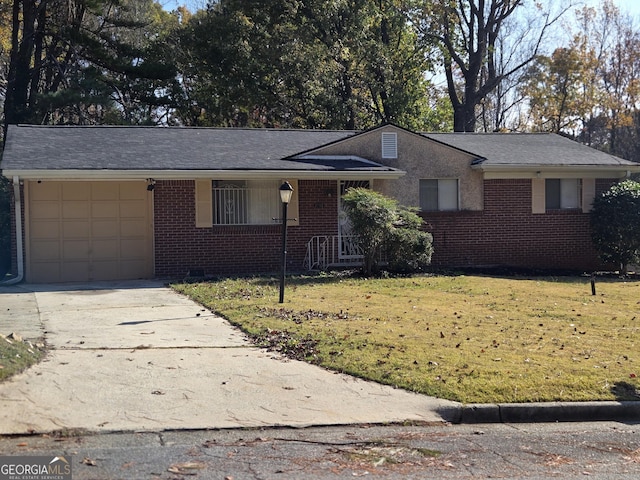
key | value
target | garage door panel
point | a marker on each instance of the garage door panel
(105, 191)
(105, 250)
(44, 210)
(132, 228)
(75, 210)
(130, 268)
(76, 191)
(104, 210)
(46, 250)
(132, 249)
(76, 250)
(83, 231)
(74, 271)
(106, 270)
(76, 228)
(45, 191)
(105, 229)
(46, 230)
(131, 191)
(46, 272)
(131, 209)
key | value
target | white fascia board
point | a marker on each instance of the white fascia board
(492, 172)
(124, 175)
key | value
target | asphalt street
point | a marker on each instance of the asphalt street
(602, 450)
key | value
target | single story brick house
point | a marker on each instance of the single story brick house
(111, 203)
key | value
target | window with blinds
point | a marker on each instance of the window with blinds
(439, 195)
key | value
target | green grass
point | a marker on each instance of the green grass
(16, 356)
(465, 338)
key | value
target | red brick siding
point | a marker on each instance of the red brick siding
(506, 233)
(181, 247)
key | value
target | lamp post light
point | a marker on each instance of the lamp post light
(286, 191)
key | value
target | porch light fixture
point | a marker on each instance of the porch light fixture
(151, 184)
(286, 192)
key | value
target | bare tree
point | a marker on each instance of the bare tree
(467, 35)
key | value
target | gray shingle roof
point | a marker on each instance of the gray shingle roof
(104, 148)
(172, 148)
(522, 149)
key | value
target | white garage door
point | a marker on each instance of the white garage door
(88, 231)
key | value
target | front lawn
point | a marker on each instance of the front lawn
(466, 338)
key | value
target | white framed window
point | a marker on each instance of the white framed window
(439, 195)
(389, 145)
(246, 202)
(242, 202)
(562, 193)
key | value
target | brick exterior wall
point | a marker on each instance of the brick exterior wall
(506, 233)
(180, 247)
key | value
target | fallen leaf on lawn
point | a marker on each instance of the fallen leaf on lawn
(186, 468)
(633, 457)
(89, 461)
(23, 444)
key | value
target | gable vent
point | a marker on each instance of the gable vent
(389, 145)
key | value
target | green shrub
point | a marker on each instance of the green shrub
(382, 226)
(615, 224)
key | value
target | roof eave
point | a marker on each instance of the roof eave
(556, 171)
(128, 175)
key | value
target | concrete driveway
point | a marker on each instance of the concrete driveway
(137, 356)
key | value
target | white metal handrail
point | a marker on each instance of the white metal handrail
(327, 251)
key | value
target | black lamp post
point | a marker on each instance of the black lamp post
(286, 191)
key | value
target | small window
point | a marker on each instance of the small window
(562, 194)
(389, 145)
(439, 195)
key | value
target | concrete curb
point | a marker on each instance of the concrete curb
(543, 412)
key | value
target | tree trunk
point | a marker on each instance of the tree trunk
(21, 73)
(464, 117)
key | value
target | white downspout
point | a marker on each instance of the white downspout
(18, 216)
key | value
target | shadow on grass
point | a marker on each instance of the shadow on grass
(625, 391)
